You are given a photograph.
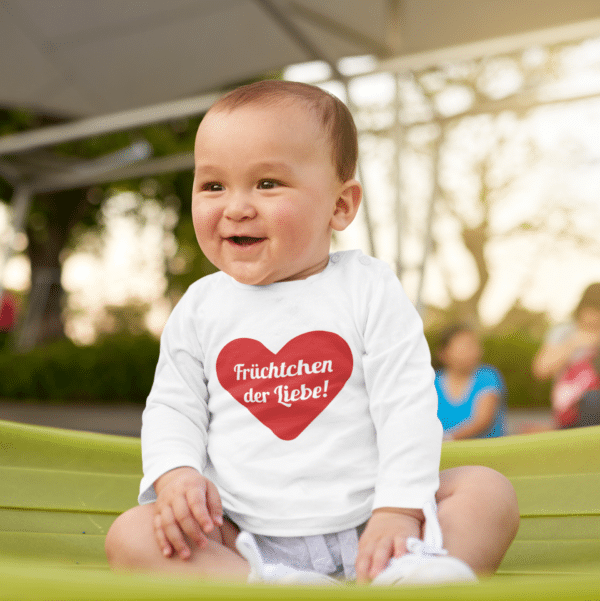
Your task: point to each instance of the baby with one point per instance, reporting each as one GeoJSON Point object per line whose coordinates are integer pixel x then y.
{"type": "Point", "coordinates": [291, 432]}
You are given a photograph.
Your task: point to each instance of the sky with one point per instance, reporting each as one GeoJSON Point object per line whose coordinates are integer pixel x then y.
{"type": "Point", "coordinates": [548, 275]}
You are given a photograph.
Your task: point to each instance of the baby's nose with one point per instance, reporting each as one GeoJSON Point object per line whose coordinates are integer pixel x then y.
{"type": "Point", "coordinates": [239, 206]}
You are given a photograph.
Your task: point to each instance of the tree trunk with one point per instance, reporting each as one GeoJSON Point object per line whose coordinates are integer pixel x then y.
{"type": "Point", "coordinates": [475, 240]}
{"type": "Point", "coordinates": [48, 231]}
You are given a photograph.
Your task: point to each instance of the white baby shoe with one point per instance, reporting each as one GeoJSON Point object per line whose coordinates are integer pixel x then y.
{"type": "Point", "coordinates": [276, 573]}
{"type": "Point", "coordinates": [426, 562]}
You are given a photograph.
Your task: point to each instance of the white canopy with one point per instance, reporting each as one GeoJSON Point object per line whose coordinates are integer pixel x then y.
{"type": "Point", "coordinates": [78, 58]}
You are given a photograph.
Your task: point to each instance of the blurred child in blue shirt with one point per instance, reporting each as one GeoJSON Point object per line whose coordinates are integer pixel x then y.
{"type": "Point", "coordinates": [471, 396]}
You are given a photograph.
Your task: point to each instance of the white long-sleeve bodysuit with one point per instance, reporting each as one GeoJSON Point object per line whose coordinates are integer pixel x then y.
{"type": "Point", "coordinates": [308, 403]}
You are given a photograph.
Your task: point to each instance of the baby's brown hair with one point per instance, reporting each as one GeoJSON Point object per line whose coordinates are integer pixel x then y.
{"type": "Point", "coordinates": [333, 115]}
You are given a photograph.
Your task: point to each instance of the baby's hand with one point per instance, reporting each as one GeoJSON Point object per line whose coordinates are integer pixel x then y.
{"type": "Point", "coordinates": [385, 537]}
{"type": "Point", "coordinates": [187, 504]}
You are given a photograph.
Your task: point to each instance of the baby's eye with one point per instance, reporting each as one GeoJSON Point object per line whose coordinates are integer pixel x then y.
{"type": "Point", "coordinates": [212, 187]}
{"type": "Point", "coordinates": [267, 184]}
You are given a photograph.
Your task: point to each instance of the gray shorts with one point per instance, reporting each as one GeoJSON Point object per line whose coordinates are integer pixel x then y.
{"type": "Point", "coordinates": [332, 554]}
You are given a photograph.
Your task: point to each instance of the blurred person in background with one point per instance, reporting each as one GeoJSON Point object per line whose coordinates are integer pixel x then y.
{"type": "Point", "coordinates": [8, 317]}
{"type": "Point", "coordinates": [471, 396]}
{"type": "Point", "coordinates": [570, 356]}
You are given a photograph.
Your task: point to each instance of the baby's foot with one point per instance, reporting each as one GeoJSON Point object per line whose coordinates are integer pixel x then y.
{"type": "Point", "coordinates": [422, 565]}
{"type": "Point", "coordinates": [427, 562]}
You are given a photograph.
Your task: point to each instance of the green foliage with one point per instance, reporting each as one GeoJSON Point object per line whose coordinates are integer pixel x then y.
{"type": "Point", "coordinates": [121, 367]}
{"type": "Point", "coordinates": [118, 367]}
{"type": "Point", "coordinates": [512, 356]}
{"type": "Point", "coordinates": [189, 263]}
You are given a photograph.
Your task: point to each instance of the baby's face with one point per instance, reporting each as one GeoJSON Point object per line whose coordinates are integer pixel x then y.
{"type": "Point", "coordinates": [265, 192]}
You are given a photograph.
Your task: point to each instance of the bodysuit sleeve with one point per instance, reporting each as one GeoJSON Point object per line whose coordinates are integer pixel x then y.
{"type": "Point", "coordinates": [175, 420]}
{"type": "Point", "coordinates": [402, 397]}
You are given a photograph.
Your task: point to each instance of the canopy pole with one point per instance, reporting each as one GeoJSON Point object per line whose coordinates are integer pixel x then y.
{"type": "Point", "coordinates": [366, 211]}
{"type": "Point", "coordinates": [397, 174]}
{"type": "Point", "coordinates": [313, 52]}
{"type": "Point", "coordinates": [96, 126]}
{"type": "Point", "coordinates": [360, 176]}
{"type": "Point", "coordinates": [435, 190]}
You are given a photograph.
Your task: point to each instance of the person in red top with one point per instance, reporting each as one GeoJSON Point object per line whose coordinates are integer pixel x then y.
{"type": "Point", "coordinates": [8, 316]}
{"type": "Point", "coordinates": [569, 355]}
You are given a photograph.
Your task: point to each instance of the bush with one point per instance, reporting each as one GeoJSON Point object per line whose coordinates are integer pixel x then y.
{"type": "Point", "coordinates": [118, 368]}
{"type": "Point", "coordinates": [121, 368]}
{"type": "Point", "coordinates": [512, 357]}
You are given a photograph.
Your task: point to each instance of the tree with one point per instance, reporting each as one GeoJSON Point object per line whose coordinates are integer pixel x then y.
{"type": "Point", "coordinates": [57, 221]}
{"type": "Point", "coordinates": [473, 124]}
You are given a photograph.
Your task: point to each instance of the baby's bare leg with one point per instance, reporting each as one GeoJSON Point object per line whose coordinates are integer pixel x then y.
{"type": "Point", "coordinates": [479, 515]}
{"type": "Point", "coordinates": [131, 545]}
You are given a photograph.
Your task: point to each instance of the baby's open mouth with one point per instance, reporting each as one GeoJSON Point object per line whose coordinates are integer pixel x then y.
{"type": "Point", "coordinates": [244, 240]}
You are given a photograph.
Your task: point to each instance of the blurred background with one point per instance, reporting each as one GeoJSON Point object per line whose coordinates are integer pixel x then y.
{"type": "Point", "coordinates": [478, 124]}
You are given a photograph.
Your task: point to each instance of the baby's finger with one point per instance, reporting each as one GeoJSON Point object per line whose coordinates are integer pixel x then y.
{"type": "Point", "coordinates": [363, 564]}
{"type": "Point", "coordinates": [213, 502]}
{"type": "Point", "coordinates": [400, 546]}
{"type": "Point", "coordinates": [188, 523]}
{"type": "Point", "coordinates": [381, 556]}
{"type": "Point", "coordinates": [173, 533]}
{"type": "Point", "coordinates": [161, 539]}
{"type": "Point", "coordinates": [197, 503]}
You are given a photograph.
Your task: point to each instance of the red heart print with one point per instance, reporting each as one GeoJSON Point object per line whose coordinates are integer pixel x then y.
{"type": "Point", "coordinates": [287, 390]}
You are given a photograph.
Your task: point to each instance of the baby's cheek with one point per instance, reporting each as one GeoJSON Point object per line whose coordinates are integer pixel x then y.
{"type": "Point", "coordinates": [291, 224]}
{"type": "Point", "coordinates": [280, 218]}
{"type": "Point", "coordinates": [205, 219]}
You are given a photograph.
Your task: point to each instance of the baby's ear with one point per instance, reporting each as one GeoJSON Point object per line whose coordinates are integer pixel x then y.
{"type": "Point", "coordinates": [346, 206]}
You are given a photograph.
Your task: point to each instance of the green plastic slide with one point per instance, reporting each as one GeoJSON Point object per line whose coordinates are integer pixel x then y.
{"type": "Point", "coordinates": [60, 490]}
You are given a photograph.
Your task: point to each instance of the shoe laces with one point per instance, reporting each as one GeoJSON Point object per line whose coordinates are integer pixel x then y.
{"type": "Point", "coordinates": [419, 547]}
{"type": "Point", "coordinates": [432, 543]}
